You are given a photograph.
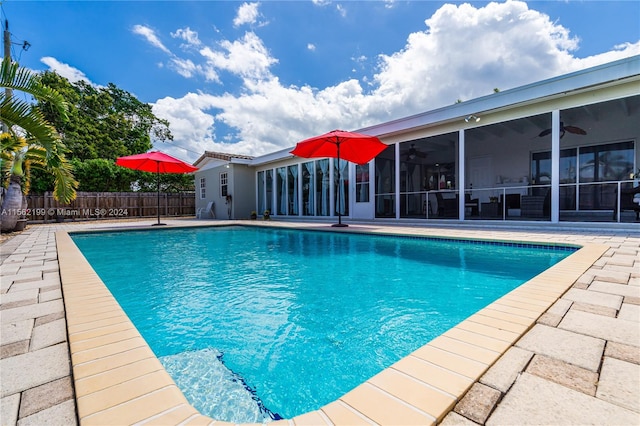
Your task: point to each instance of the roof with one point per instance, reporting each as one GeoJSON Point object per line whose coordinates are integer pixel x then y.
{"type": "Point", "coordinates": [586, 79]}
{"type": "Point", "coordinates": [221, 156]}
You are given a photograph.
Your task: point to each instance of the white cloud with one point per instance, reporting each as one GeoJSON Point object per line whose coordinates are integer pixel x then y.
{"type": "Point", "coordinates": [618, 52]}
{"type": "Point", "coordinates": [187, 68]}
{"type": "Point", "coordinates": [189, 36]}
{"type": "Point", "coordinates": [341, 10]}
{"type": "Point", "coordinates": [184, 67]}
{"type": "Point", "coordinates": [311, 47]}
{"type": "Point", "coordinates": [246, 57]}
{"type": "Point", "coordinates": [189, 122]}
{"type": "Point", "coordinates": [64, 70]}
{"type": "Point", "coordinates": [463, 52]}
{"type": "Point", "coordinates": [150, 35]}
{"type": "Point", "coordinates": [247, 14]}
{"type": "Point", "coordinates": [321, 2]}
{"type": "Point", "coordinates": [466, 52]}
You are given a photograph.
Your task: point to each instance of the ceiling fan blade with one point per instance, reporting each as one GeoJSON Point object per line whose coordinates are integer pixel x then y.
{"type": "Point", "coordinates": [563, 129]}
{"type": "Point", "coordinates": [574, 129]}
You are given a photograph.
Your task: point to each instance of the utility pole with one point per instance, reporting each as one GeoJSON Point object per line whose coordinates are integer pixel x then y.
{"type": "Point", "coordinates": [7, 50]}
{"type": "Point", "coordinates": [7, 40]}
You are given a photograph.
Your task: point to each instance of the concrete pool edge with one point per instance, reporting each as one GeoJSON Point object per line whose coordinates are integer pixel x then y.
{"type": "Point", "coordinates": [118, 379]}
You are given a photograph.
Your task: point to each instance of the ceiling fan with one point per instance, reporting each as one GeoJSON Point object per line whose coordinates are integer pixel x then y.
{"type": "Point", "coordinates": [563, 129]}
{"type": "Point", "coordinates": [413, 153]}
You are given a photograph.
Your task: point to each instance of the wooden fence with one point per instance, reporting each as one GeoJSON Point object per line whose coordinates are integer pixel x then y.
{"type": "Point", "coordinates": [110, 205]}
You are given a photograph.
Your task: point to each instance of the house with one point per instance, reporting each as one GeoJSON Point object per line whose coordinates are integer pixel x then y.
{"type": "Point", "coordinates": [562, 149]}
{"type": "Point", "coordinates": [224, 185]}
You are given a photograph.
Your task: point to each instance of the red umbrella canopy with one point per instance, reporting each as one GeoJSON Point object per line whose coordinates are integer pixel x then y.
{"type": "Point", "coordinates": [350, 146]}
{"type": "Point", "coordinates": [155, 161]}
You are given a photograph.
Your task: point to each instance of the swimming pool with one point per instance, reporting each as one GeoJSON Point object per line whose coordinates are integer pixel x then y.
{"type": "Point", "coordinates": [280, 307]}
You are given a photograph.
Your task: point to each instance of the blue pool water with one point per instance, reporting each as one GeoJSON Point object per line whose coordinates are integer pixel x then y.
{"type": "Point", "coordinates": [256, 324]}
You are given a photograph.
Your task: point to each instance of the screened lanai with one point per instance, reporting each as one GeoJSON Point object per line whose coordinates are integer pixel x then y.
{"type": "Point", "coordinates": [507, 165]}
{"type": "Point", "coordinates": [560, 150]}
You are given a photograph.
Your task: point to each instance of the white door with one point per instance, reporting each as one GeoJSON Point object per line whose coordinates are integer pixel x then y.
{"type": "Point", "coordinates": [481, 176]}
{"type": "Point", "coordinates": [362, 194]}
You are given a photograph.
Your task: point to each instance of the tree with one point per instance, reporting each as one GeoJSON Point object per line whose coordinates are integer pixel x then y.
{"type": "Point", "coordinates": [29, 141]}
{"type": "Point", "coordinates": [102, 175]}
{"type": "Point", "coordinates": [103, 122]}
{"type": "Point", "coordinates": [169, 182]}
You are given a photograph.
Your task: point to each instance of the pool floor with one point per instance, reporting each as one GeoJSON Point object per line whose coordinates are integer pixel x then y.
{"type": "Point", "coordinates": [118, 379]}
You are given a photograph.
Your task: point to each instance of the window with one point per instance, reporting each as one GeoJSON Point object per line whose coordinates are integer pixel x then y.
{"type": "Point", "coordinates": [598, 163]}
{"type": "Point", "coordinates": [203, 187]}
{"type": "Point", "coordinates": [269, 190]}
{"type": "Point", "coordinates": [292, 189]}
{"type": "Point", "coordinates": [261, 204]}
{"type": "Point", "coordinates": [603, 163]}
{"type": "Point", "coordinates": [224, 187]}
{"type": "Point", "coordinates": [322, 187]}
{"type": "Point", "coordinates": [541, 167]}
{"type": "Point", "coordinates": [308, 188]}
{"type": "Point", "coordinates": [341, 186]}
{"type": "Point", "coordinates": [581, 171]}
{"type": "Point", "coordinates": [281, 190]}
{"type": "Point", "coordinates": [362, 183]}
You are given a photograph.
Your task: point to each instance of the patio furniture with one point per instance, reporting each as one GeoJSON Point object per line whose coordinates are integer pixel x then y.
{"type": "Point", "coordinates": [536, 206]}
{"type": "Point", "coordinates": [447, 207]}
{"type": "Point", "coordinates": [489, 210]}
{"type": "Point", "coordinates": [426, 205]}
{"type": "Point", "coordinates": [626, 202]}
{"type": "Point", "coordinates": [471, 204]}
{"type": "Point", "coordinates": [532, 206]}
{"type": "Point", "coordinates": [208, 212]}
{"type": "Point", "coordinates": [512, 204]}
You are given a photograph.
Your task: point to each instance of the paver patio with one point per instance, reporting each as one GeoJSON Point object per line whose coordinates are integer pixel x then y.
{"type": "Point", "coordinates": [580, 364]}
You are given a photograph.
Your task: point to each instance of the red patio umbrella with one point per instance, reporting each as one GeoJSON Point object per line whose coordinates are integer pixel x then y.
{"type": "Point", "coordinates": [354, 147]}
{"type": "Point", "coordinates": [158, 162]}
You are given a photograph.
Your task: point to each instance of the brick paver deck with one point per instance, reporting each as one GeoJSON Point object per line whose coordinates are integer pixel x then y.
{"type": "Point", "coordinates": [577, 362]}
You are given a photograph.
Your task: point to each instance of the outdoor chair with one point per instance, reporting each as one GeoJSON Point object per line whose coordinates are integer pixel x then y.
{"type": "Point", "coordinates": [472, 204]}
{"type": "Point", "coordinates": [627, 202]}
{"type": "Point", "coordinates": [447, 207]}
{"type": "Point", "coordinates": [536, 206]}
{"type": "Point", "coordinates": [208, 212]}
{"type": "Point", "coordinates": [512, 203]}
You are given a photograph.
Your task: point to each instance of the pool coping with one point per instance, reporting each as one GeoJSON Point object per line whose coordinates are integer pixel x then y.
{"type": "Point", "coordinates": [118, 379]}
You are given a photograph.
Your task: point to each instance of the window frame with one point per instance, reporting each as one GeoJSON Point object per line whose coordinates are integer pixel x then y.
{"type": "Point", "coordinates": [224, 184]}
{"type": "Point", "coordinates": [203, 188]}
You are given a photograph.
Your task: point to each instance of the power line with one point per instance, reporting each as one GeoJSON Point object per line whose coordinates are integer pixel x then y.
{"type": "Point", "coordinates": [24, 44]}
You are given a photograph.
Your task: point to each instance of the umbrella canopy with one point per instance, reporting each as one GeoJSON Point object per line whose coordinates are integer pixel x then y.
{"type": "Point", "coordinates": [158, 162]}
{"type": "Point", "coordinates": [354, 147]}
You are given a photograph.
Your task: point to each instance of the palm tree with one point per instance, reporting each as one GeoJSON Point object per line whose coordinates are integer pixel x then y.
{"type": "Point", "coordinates": [29, 140]}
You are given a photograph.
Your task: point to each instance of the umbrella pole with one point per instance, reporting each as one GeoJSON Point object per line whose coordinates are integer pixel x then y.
{"type": "Point", "coordinates": [340, 188]}
{"type": "Point", "coordinates": [158, 192]}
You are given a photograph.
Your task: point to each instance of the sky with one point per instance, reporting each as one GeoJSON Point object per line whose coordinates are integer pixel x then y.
{"type": "Point", "coordinates": [253, 78]}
